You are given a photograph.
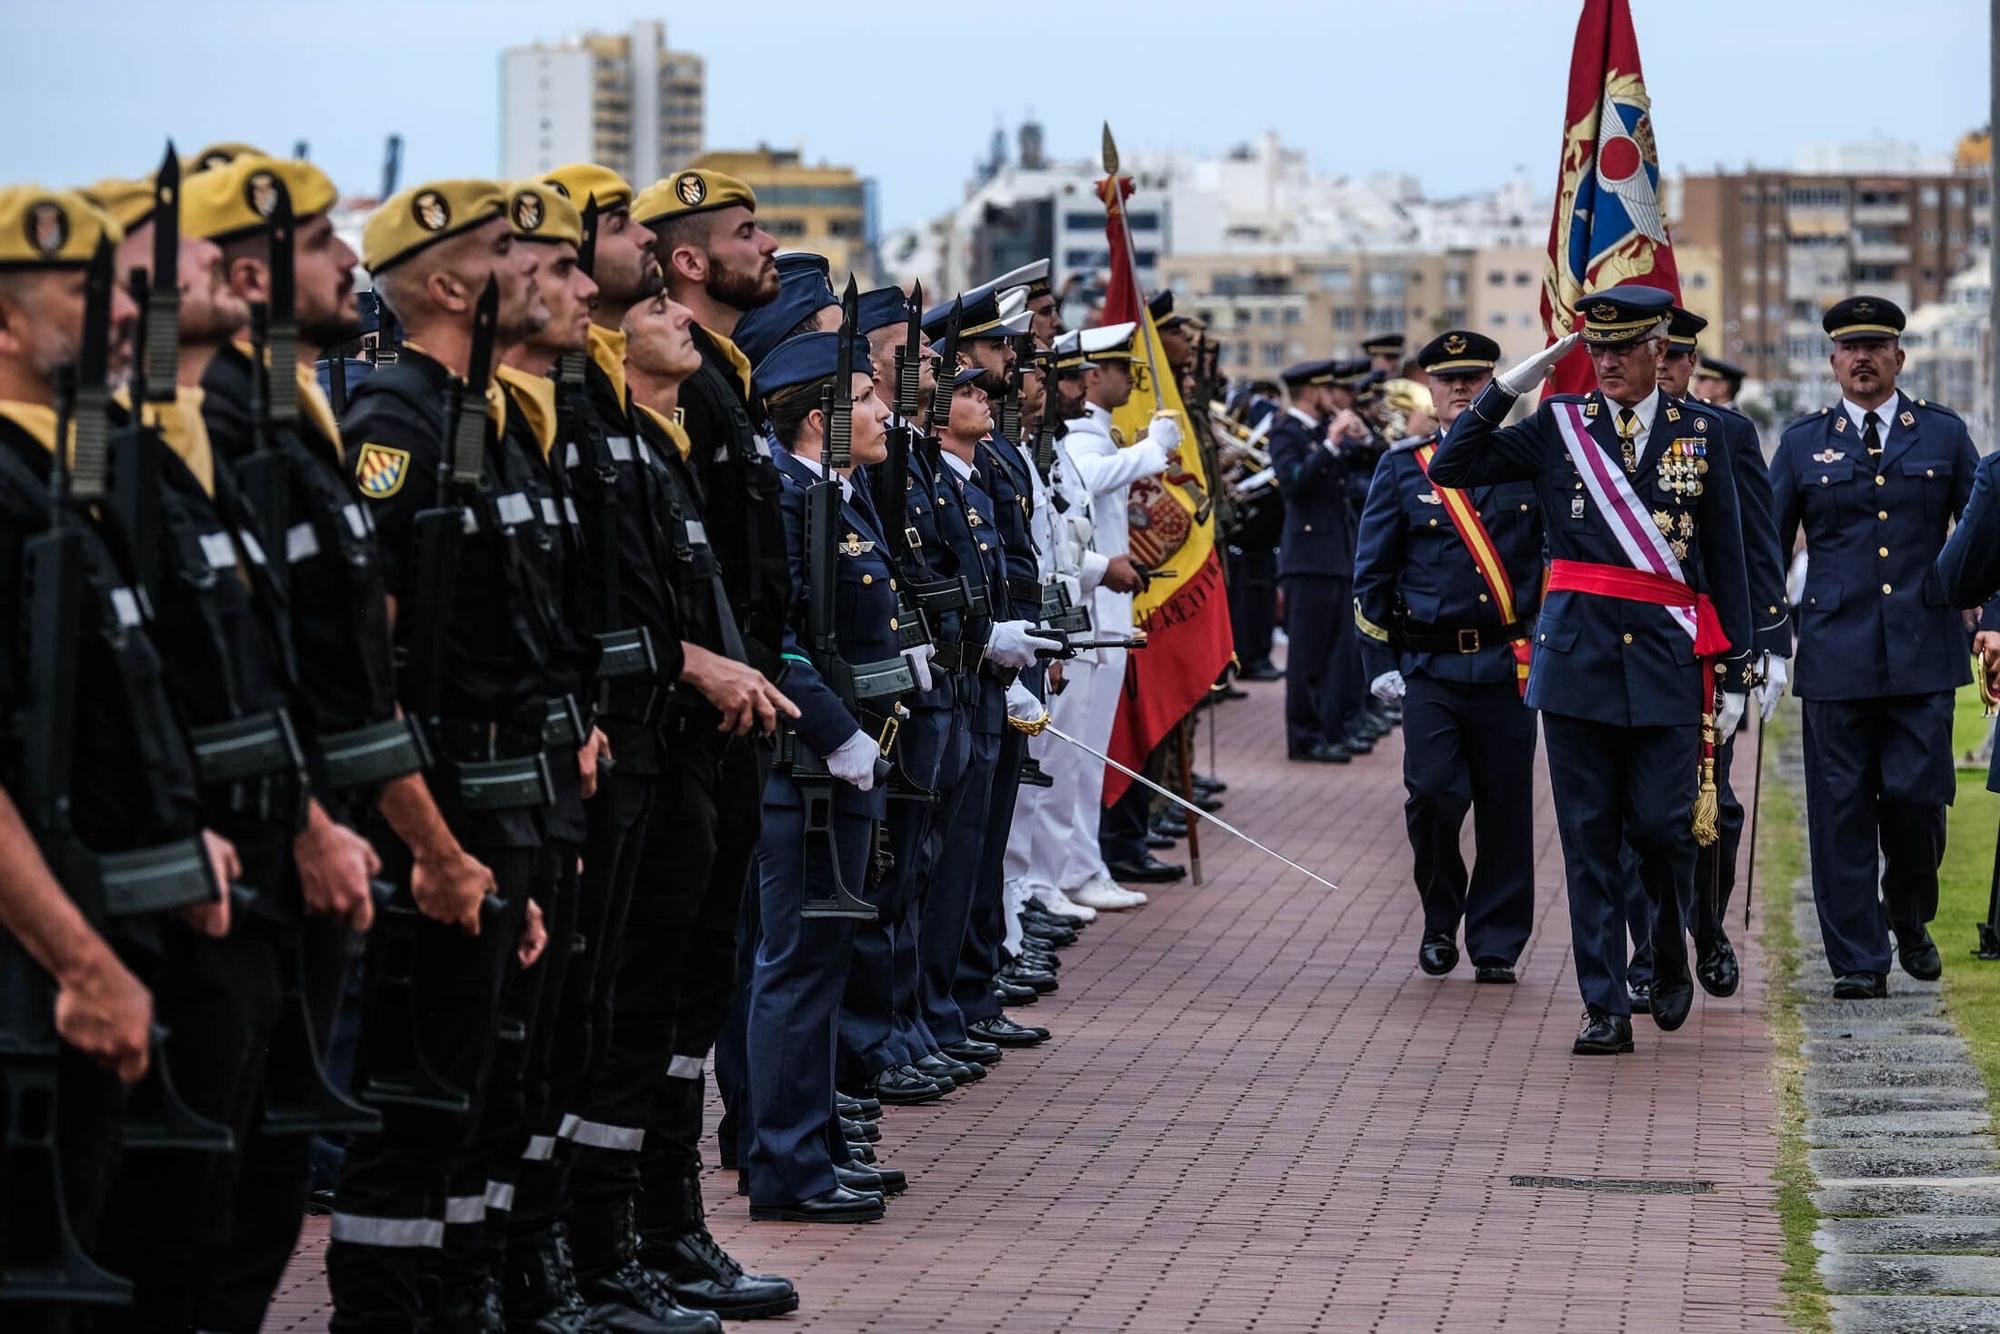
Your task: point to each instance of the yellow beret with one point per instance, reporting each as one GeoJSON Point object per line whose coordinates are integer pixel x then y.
{"type": "Point", "coordinates": [44, 229]}
{"type": "Point", "coordinates": [128, 203]}
{"type": "Point", "coordinates": [418, 218]}
{"type": "Point", "coordinates": [240, 197]}
{"type": "Point", "coordinates": [537, 212]}
{"type": "Point", "coordinates": [580, 182]}
{"type": "Point", "coordinates": [219, 155]}
{"type": "Point", "coordinates": [691, 191]}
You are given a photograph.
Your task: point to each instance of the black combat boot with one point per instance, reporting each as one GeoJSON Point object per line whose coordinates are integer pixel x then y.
{"type": "Point", "coordinates": [625, 1296]}
{"type": "Point", "coordinates": [540, 1292]}
{"type": "Point", "coordinates": [702, 1274]}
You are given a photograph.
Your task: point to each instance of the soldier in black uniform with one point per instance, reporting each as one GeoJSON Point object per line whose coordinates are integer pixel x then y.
{"type": "Point", "coordinates": [480, 660]}
{"type": "Point", "coordinates": [130, 789]}
{"type": "Point", "coordinates": [318, 535]}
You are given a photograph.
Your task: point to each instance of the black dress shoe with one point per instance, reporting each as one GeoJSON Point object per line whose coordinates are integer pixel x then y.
{"type": "Point", "coordinates": [1716, 967]}
{"type": "Point", "coordinates": [1437, 956]}
{"type": "Point", "coordinates": [1039, 954]}
{"type": "Point", "coordinates": [838, 1205]}
{"type": "Point", "coordinates": [1358, 743]}
{"type": "Point", "coordinates": [1159, 842]}
{"type": "Point", "coordinates": [860, 1153]}
{"type": "Point", "coordinates": [1918, 954]}
{"type": "Point", "coordinates": [1149, 870]}
{"type": "Point", "coordinates": [1495, 974]}
{"type": "Point", "coordinates": [904, 1086]}
{"type": "Point", "coordinates": [1033, 978]}
{"type": "Point", "coordinates": [1602, 1034]}
{"type": "Point", "coordinates": [944, 1070]}
{"type": "Point", "coordinates": [969, 1049]}
{"type": "Point", "coordinates": [1212, 784]}
{"type": "Point", "coordinates": [865, 1131]}
{"type": "Point", "coordinates": [854, 1111]}
{"type": "Point", "coordinates": [1004, 1032]}
{"type": "Point", "coordinates": [1009, 994]}
{"type": "Point", "coordinates": [1228, 692]}
{"type": "Point", "coordinates": [1171, 823]}
{"type": "Point", "coordinates": [1261, 670]}
{"type": "Point", "coordinates": [860, 1180]}
{"type": "Point", "coordinates": [1860, 986]}
{"type": "Point", "coordinates": [870, 1108]}
{"type": "Point", "coordinates": [1672, 999]}
{"type": "Point", "coordinates": [1053, 935]}
{"type": "Point", "coordinates": [1641, 996]}
{"type": "Point", "coordinates": [631, 1299]}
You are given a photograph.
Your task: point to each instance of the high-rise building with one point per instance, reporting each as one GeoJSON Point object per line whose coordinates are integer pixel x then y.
{"type": "Point", "coordinates": [825, 209]}
{"type": "Point", "coordinates": [622, 99]}
{"type": "Point", "coordinates": [1783, 246]}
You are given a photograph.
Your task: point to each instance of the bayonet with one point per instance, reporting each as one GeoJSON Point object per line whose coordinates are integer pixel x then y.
{"type": "Point", "coordinates": [947, 374]}
{"type": "Point", "coordinates": [159, 352]}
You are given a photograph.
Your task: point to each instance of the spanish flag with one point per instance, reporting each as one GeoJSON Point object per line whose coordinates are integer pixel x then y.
{"type": "Point", "coordinates": [1171, 523]}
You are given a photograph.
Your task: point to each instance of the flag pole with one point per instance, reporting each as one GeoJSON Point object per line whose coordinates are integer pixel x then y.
{"type": "Point", "coordinates": [1116, 203]}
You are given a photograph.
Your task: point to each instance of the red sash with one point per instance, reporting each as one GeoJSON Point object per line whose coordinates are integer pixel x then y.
{"type": "Point", "coordinates": [1485, 558]}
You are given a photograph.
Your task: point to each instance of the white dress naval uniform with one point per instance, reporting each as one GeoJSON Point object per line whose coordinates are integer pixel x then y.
{"type": "Point", "coordinates": [1106, 470]}
{"type": "Point", "coordinates": [1044, 817]}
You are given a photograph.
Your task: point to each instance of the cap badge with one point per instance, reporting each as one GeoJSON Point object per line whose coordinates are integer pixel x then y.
{"type": "Point", "coordinates": [1603, 312]}
{"type": "Point", "coordinates": [260, 192]}
{"type": "Point", "coordinates": [48, 228]}
{"type": "Point", "coordinates": [432, 213]}
{"type": "Point", "coordinates": [1454, 344]}
{"type": "Point", "coordinates": [1864, 308]}
{"type": "Point", "coordinates": [528, 211]}
{"type": "Point", "coordinates": [690, 189]}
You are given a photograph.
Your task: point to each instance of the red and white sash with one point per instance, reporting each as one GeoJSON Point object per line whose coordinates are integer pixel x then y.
{"type": "Point", "coordinates": [1643, 543]}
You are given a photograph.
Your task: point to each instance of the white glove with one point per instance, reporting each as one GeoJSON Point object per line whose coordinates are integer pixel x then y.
{"type": "Point", "coordinates": [1022, 704]}
{"type": "Point", "coordinates": [1165, 431]}
{"type": "Point", "coordinates": [1388, 687]}
{"type": "Point", "coordinates": [1518, 380]}
{"type": "Point", "coordinates": [1777, 674]}
{"type": "Point", "coordinates": [854, 762]}
{"type": "Point", "coordinates": [1733, 704]}
{"type": "Point", "coordinates": [919, 659]}
{"type": "Point", "coordinates": [1013, 644]}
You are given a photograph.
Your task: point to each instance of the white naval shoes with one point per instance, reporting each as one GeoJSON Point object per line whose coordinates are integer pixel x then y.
{"type": "Point", "coordinates": [1060, 904]}
{"type": "Point", "coordinates": [1106, 895]}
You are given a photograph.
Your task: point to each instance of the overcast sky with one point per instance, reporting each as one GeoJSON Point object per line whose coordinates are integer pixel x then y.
{"type": "Point", "coordinates": [1457, 92]}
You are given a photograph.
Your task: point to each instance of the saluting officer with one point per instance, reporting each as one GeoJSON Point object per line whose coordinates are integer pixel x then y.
{"type": "Point", "coordinates": [1645, 592]}
{"type": "Point", "coordinates": [1875, 482]}
{"type": "Point", "coordinates": [476, 676]}
{"type": "Point", "coordinates": [1446, 584]}
{"type": "Point", "coordinates": [795, 1158]}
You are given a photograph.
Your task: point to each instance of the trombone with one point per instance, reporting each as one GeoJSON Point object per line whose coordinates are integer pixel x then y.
{"type": "Point", "coordinates": [1238, 440]}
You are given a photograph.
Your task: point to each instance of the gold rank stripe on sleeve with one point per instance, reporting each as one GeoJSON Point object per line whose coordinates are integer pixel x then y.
{"type": "Point", "coordinates": [1485, 557]}
{"type": "Point", "coordinates": [380, 470]}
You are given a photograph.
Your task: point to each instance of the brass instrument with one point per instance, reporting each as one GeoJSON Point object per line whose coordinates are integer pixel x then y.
{"type": "Point", "coordinates": [1980, 675]}
{"type": "Point", "coordinates": [1238, 441]}
{"type": "Point", "coordinates": [1401, 400]}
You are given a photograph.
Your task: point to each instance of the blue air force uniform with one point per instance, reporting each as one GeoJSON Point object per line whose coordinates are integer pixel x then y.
{"type": "Point", "coordinates": [1969, 566]}
{"type": "Point", "coordinates": [1316, 571]}
{"type": "Point", "coordinates": [1881, 648]}
{"type": "Point", "coordinates": [1423, 609]}
{"type": "Point", "coordinates": [792, 1128]}
{"type": "Point", "coordinates": [1616, 680]}
{"type": "Point", "coordinates": [1771, 626]}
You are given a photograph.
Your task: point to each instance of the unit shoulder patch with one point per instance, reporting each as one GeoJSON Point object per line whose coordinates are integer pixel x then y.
{"type": "Point", "coordinates": [381, 470]}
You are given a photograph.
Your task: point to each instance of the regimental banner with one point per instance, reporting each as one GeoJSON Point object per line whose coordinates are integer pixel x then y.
{"type": "Point", "coordinates": [1171, 523]}
{"type": "Point", "coordinates": [1607, 227]}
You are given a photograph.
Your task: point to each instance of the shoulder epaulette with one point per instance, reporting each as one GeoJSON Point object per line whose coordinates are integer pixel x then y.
{"type": "Point", "coordinates": [1938, 408]}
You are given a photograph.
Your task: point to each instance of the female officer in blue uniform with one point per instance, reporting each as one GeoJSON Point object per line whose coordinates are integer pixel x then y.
{"type": "Point", "coordinates": [792, 1141]}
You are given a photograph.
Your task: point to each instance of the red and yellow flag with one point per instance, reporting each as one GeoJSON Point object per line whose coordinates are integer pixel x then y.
{"type": "Point", "coordinates": [1171, 521]}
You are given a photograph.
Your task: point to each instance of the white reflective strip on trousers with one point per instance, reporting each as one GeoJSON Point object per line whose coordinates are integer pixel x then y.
{"type": "Point", "coordinates": [500, 1196]}
{"type": "Point", "coordinates": [597, 1135]}
{"type": "Point", "coordinates": [464, 1208]}
{"type": "Point", "coordinates": [685, 1067]}
{"type": "Point", "coordinates": [398, 1233]}
{"type": "Point", "coordinates": [540, 1148]}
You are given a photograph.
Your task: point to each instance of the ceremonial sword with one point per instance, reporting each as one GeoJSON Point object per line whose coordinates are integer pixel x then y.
{"type": "Point", "coordinates": [1195, 812]}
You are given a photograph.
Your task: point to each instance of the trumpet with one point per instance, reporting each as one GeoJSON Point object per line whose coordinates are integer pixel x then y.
{"type": "Point", "coordinates": [1237, 440]}
{"type": "Point", "coordinates": [1980, 674]}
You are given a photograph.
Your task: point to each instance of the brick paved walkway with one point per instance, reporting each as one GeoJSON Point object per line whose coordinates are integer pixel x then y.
{"type": "Point", "coordinates": [1258, 1115]}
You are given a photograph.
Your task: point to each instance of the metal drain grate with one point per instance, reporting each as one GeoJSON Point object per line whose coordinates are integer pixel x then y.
{"type": "Point", "coordinates": [1615, 1185]}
